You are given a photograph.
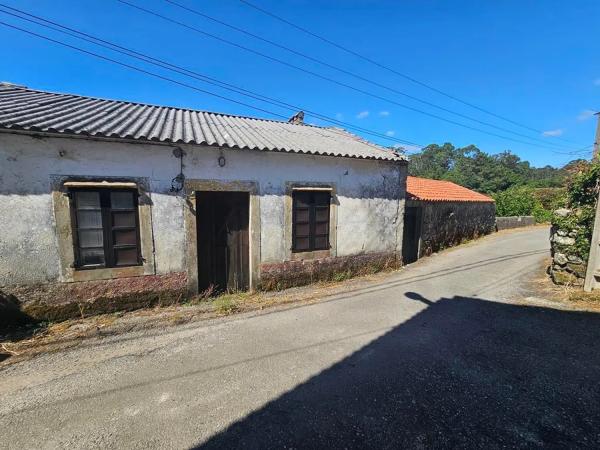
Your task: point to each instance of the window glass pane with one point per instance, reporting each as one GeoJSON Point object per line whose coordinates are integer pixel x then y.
{"type": "Point", "coordinates": [301, 198]}
{"type": "Point", "coordinates": [125, 237]}
{"type": "Point", "coordinates": [321, 228]}
{"type": "Point", "coordinates": [321, 243]}
{"type": "Point", "coordinates": [302, 230]}
{"type": "Point", "coordinates": [126, 256]}
{"type": "Point", "coordinates": [91, 256]}
{"type": "Point", "coordinates": [121, 200]}
{"type": "Point", "coordinates": [123, 219]}
{"type": "Point", "coordinates": [301, 215]}
{"type": "Point", "coordinates": [321, 214]}
{"type": "Point", "coordinates": [89, 219]}
{"type": "Point", "coordinates": [301, 244]}
{"type": "Point", "coordinates": [87, 199]}
{"type": "Point", "coordinates": [322, 198]}
{"type": "Point", "coordinates": [90, 238]}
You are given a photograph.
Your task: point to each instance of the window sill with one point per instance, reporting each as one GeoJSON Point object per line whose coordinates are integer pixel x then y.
{"type": "Point", "coordinates": [106, 273]}
{"type": "Point", "coordinates": [316, 254]}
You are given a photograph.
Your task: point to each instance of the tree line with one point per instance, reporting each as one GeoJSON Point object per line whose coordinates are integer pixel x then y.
{"type": "Point", "coordinates": [517, 187]}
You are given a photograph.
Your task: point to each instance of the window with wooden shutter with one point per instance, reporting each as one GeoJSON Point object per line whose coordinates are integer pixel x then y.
{"type": "Point", "coordinates": [310, 221]}
{"type": "Point", "coordinates": [106, 228]}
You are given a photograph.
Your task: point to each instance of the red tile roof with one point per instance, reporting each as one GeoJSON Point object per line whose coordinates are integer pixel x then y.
{"type": "Point", "coordinates": [441, 191]}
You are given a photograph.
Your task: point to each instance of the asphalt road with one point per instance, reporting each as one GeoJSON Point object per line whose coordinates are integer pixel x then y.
{"type": "Point", "coordinates": [439, 355]}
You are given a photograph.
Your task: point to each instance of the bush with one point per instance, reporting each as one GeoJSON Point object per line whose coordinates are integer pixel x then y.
{"type": "Point", "coordinates": [515, 201]}
{"type": "Point", "coordinates": [527, 201]}
{"type": "Point", "coordinates": [582, 187]}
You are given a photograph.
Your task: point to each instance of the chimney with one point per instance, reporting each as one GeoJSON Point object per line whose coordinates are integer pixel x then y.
{"type": "Point", "coordinates": [298, 118]}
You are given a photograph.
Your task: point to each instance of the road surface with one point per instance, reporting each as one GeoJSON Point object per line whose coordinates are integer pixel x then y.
{"type": "Point", "coordinates": [438, 355]}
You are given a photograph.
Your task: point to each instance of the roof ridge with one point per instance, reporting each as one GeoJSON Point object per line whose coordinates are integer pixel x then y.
{"type": "Point", "coordinates": [428, 189]}
{"type": "Point", "coordinates": [364, 141]}
{"type": "Point", "coordinates": [8, 86]}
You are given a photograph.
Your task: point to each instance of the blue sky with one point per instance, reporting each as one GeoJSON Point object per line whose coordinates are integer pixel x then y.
{"type": "Point", "coordinates": [535, 62]}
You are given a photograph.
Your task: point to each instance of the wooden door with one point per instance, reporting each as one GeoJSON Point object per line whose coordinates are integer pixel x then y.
{"type": "Point", "coordinates": [411, 235]}
{"type": "Point", "coordinates": [223, 250]}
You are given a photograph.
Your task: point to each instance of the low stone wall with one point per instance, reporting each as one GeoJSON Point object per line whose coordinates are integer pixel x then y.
{"type": "Point", "coordinates": [60, 301]}
{"type": "Point", "coordinates": [297, 273]}
{"type": "Point", "coordinates": [446, 224]}
{"type": "Point", "coordinates": [505, 223]}
{"type": "Point", "coordinates": [567, 267]}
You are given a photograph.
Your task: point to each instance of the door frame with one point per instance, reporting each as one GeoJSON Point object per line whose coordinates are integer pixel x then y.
{"type": "Point", "coordinates": [191, 238]}
{"type": "Point", "coordinates": [418, 224]}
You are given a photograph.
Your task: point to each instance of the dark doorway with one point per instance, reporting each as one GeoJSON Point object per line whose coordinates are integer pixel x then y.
{"type": "Point", "coordinates": [223, 252]}
{"type": "Point", "coordinates": [412, 234]}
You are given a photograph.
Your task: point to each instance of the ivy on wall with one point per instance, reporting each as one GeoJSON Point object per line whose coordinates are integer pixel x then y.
{"type": "Point", "coordinates": [578, 219]}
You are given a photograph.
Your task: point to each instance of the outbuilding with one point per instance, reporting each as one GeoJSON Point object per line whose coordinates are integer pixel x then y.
{"type": "Point", "coordinates": [104, 200]}
{"type": "Point", "coordinates": [441, 214]}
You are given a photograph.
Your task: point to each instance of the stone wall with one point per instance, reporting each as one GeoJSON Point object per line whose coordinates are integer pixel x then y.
{"type": "Point", "coordinates": [567, 267]}
{"type": "Point", "coordinates": [505, 223]}
{"type": "Point", "coordinates": [297, 273]}
{"type": "Point", "coordinates": [445, 224]}
{"type": "Point", "coordinates": [60, 301]}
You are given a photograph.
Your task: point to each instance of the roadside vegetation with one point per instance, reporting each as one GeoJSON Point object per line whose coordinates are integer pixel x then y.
{"type": "Point", "coordinates": [577, 219]}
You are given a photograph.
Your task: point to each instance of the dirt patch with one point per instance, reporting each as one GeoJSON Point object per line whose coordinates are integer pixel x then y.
{"type": "Point", "coordinates": [569, 296]}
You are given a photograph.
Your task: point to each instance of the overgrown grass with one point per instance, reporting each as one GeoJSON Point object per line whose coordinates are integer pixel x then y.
{"type": "Point", "coordinates": [578, 295]}
{"type": "Point", "coordinates": [231, 302]}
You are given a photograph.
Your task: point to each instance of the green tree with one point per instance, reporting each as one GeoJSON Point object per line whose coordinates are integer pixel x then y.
{"type": "Point", "coordinates": [471, 167]}
{"type": "Point", "coordinates": [433, 162]}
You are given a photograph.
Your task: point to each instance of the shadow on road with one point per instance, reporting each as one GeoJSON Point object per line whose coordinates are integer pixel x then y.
{"type": "Point", "coordinates": [464, 372]}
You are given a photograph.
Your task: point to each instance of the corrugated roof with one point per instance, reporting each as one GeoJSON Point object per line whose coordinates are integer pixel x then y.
{"type": "Point", "coordinates": [41, 111]}
{"type": "Point", "coordinates": [441, 191]}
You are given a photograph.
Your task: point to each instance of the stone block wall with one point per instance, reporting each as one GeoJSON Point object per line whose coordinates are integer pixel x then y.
{"type": "Point", "coordinates": [506, 223]}
{"type": "Point", "coordinates": [445, 224]}
{"type": "Point", "coordinates": [567, 267]}
{"type": "Point", "coordinates": [297, 273]}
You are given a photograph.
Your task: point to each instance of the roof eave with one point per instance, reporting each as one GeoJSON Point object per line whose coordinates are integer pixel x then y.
{"type": "Point", "coordinates": [169, 143]}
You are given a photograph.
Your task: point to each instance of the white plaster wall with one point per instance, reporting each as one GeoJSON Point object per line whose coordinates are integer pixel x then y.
{"type": "Point", "coordinates": [370, 195]}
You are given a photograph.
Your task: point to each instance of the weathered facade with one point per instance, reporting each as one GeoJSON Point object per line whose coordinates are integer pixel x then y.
{"type": "Point", "coordinates": [64, 168]}
{"type": "Point", "coordinates": [441, 214]}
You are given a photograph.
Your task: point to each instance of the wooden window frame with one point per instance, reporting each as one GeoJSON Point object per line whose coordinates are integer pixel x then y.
{"type": "Point", "coordinates": [108, 228]}
{"type": "Point", "coordinates": [312, 221]}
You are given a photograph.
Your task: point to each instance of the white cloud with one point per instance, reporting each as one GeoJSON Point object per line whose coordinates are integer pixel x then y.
{"type": "Point", "coordinates": [597, 81]}
{"type": "Point", "coordinates": [362, 114]}
{"type": "Point", "coordinates": [339, 116]}
{"type": "Point", "coordinates": [384, 113]}
{"type": "Point", "coordinates": [390, 133]}
{"type": "Point", "coordinates": [585, 115]}
{"type": "Point", "coordinates": [556, 132]}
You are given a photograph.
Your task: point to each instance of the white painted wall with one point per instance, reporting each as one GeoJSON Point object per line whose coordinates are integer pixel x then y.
{"type": "Point", "coordinates": [370, 193]}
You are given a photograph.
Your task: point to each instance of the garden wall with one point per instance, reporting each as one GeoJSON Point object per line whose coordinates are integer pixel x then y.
{"type": "Point", "coordinates": [505, 223]}
{"type": "Point", "coordinates": [445, 223]}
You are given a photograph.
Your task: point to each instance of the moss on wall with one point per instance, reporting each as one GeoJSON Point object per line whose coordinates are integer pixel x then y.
{"type": "Point", "coordinates": [445, 224]}
{"type": "Point", "coordinates": [297, 273]}
{"type": "Point", "coordinates": [60, 301]}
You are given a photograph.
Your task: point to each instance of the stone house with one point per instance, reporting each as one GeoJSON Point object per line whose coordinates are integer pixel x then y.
{"type": "Point", "coordinates": [441, 214]}
{"type": "Point", "coordinates": [105, 200]}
